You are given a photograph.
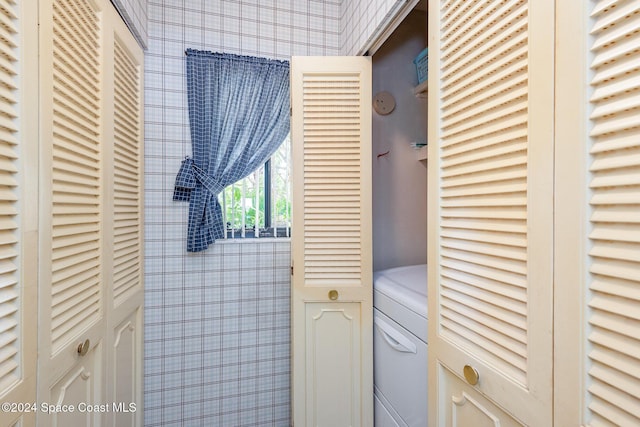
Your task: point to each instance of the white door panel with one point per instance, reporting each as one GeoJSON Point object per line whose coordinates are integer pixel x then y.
{"type": "Point", "coordinates": [90, 238]}
{"type": "Point", "coordinates": [18, 210]}
{"type": "Point", "coordinates": [125, 379]}
{"type": "Point", "coordinates": [613, 314]}
{"type": "Point", "coordinates": [71, 282]}
{"type": "Point", "coordinates": [490, 189]}
{"type": "Point", "coordinates": [332, 352]}
{"type": "Point", "coordinates": [76, 398]}
{"type": "Point", "coordinates": [460, 405]}
{"type": "Point", "coordinates": [123, 241]}
{"type": "Point", "coordinates": [332, 300]}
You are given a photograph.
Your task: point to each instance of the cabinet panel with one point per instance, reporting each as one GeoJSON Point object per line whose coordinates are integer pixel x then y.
{"type": "Point", "coordinates": [79, 390]}
{"type": "Point", "coordinates": [333, 350]}
{"type": "Point", "coordinates": [125, 377]}
{"type": "Point", "coordinates": [462, 406]}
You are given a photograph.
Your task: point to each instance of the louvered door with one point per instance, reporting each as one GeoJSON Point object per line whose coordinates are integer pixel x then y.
{"type": "Point", "coordinates": [18, 139]}
{"type": "Point", "coordinates": [490, 198]}
{"type": "Point", "coordinates": [332, 382]}
{"type": "Point", "coordinates": [90, 333]}
{"type": "Point", "coordinates": [123, 246]}
{"type": "Point", "coordinates": [613, 381]}
{"type": "Point", "coordinates": [71, 292]}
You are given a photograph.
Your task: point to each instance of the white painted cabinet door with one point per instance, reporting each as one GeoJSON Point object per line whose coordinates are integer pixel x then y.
{"type": "Point", "coordinates": [18, 210]}
{"type": "Point", "coordinates": [612, 312]}
{"type": "Point", "coordinates": [490, 211]}
{"type": "Point", "coordinates": [598, 223]}
{"type": "Point", "coordinates": [71, 279]}
{"type": "Point", "coordinates": [90, 237]}
{"type": "Point", "coordinates": [123, 254]}
{"type": "Point", "coordinates": [332, 383]}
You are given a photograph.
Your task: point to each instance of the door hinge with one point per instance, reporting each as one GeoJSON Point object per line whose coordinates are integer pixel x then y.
{"type": "Point", "coordinates": [292, 270]}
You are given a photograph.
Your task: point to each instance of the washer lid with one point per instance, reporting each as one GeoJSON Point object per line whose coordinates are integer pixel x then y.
{"type": "Point", "coordinates": [405, 285]}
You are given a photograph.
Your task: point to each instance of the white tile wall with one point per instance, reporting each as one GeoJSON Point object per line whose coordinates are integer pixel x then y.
{"type": "Point", "coordinates": [216, 323]}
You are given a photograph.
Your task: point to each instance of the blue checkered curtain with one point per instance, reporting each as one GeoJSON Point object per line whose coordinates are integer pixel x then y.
{"type": "Point", "coordinates": [238, 116]}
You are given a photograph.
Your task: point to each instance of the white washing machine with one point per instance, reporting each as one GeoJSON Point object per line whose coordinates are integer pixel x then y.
{"type": "Point", "coordinates": [400, 346]}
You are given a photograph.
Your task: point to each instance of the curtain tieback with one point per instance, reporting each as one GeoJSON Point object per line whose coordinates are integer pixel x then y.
{"type": "Point", "coordinates": [188, 175]}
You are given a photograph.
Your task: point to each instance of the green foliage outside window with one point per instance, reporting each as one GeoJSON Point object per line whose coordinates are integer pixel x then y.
{"type": "Point", "coordinates": [243, 194]}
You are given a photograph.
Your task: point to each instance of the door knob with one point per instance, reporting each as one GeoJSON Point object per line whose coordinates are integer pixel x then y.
{"type": "Point", "coordinates": [471, 374]}
{"type": "Point", "coordinates": [333, 295]}
{"type": "Point", "coordinates": [83, 347]}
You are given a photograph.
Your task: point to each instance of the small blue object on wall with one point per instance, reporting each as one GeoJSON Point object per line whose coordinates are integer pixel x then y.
{"type": "Point", "coordinates": [422, 65]}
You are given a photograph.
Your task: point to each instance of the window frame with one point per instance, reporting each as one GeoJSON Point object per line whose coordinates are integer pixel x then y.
{"type": "Point", "coordinates": [264, 207]}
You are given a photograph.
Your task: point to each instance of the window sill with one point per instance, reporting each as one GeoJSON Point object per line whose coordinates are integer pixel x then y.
{"type": "Point", "coordinates": [249, 240]}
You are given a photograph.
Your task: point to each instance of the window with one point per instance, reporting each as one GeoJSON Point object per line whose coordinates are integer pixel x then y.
{"type": "Point", "coordinates": [260, 204]}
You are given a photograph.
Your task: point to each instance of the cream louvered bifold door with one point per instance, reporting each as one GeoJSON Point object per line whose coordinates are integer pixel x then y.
{"type": "Point", "coordinates": [490, 212]}
{"type": "Point", "coordinates": [90, 246]}
{"type": "Point", "coordinates": [70, 215]}
{"type": "Point", "coordinates": [123, 256]}
{"type": "Point", "coordinates": [613, 331]}
{"type": "Point", "coordinates": [332, 381]}
{"type": "Point", "coordinates": [71, 279]}
{"type": "Point", "coordinates": [18, 211]}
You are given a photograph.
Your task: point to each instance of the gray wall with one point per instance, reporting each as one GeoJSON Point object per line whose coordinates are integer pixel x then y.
{"type": "Point", "coordinates": [399, 180]}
